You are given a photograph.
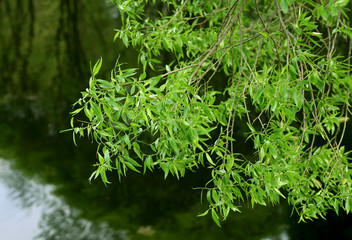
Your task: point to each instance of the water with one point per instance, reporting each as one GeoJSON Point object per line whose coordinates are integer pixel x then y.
{"type": "Point", "coordinates": [13, 213]}
{"type": "Point", "coordinates": [46, 207]}
{"type": "Point", "coordinates": [30, 210]}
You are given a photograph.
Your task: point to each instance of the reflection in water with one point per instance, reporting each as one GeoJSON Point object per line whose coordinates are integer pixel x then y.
{"type": "Point", "coordinates": [45, 217]}
{"type": "Point", "coordinates": [63, 222]}
{"type": "Point", "coordinates": [12, 216]}
{"type": "Point", "coordinates": [282, 236]}
{"type": "Point", "coordinates": [45, 50]}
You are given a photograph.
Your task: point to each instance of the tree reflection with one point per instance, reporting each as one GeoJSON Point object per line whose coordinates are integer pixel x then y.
{"type": "Point", "coordinates": [17, 25]}
{"type": "Point", "coordinates": [25, 192]}
{"type": "Point", "coordinates": [58, 220]}
{"type": "Point", "coordinates": [43, 49]}
{"type": "Point", "coordinates": [62, 222]}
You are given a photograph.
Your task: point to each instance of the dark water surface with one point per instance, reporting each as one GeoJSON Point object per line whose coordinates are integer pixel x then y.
{"type": "Point", "coordinates": [45, 193]}
{"type": "Point", "coordinates": [45, 52]}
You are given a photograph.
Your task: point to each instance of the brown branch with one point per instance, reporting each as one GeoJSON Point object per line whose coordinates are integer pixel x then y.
{"type": "Point", "coordinates": [179, 69]}
{"type": "Point", "coordinates": [221, 37]}
{"type": "Point", "coordinates": [176, 14]}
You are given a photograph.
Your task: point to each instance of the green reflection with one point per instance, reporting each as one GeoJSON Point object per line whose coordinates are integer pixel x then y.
{"type": "Point", "coordinates": [43, 54]}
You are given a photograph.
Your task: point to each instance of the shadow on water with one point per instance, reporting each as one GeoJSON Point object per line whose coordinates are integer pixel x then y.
{"type": "Point", "coordinates": [45, 48]}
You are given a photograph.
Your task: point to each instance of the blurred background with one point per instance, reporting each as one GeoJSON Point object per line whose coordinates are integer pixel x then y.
{"type": "Point", "coordinates": [46, 48]}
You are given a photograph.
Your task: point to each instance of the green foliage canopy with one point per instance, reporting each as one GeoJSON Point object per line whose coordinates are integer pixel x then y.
{"type": "Point", "coordinates": [285, 67]}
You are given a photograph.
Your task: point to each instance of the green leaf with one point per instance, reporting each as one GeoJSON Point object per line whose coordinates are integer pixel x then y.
{"type": "Point", "coordinates": [112, 102]}
{"type": "Point", "coordinates": [131, 166]}
{"type": "Point", "coordinates": [209, 159]}
{"type": "Point", "coordinates": [298, 98]}
{"type": "Point", "coordinates": [166, 168]}
{"type": "Point", "coordinates": [284, 6]}
{"type": "Point", "coordinates": [102, 173]}
{"type": "Point", "coordinates": [323, 12]}
{"type": "Point", "coordinates": [76, 111]}
{"type": "Point", "coordinates": [148, 163]}
{"type": "Point", "coordinates": [206, 110]}
{"type": "Point", "coordinates": [215, 217]}
{"type": "Point", "coordinates": [105, 84]}
{"type": "Point", "coordinates": [74, 138]}
{"type": "Point", "coordinates": [96, 111]}
{"type": "Point", "coordinates": [133, 162]}
{"type": "Point", "coordinates": [203, 214]}
{"type": "Point", "coordinates": [94, 175]}
{"type": "Point", "coordinates": [251, 127]}
{"type": "Point", "coordinates": [97, 67]}
{"type": "Point", "coordinates": [107, 156]}
{"type": "Point", "coordinates": [137, 149]}
{"type": "Point", "coordinates": [121, 126]}
{"type": "Point", "coordinates": [347, 205]}
{"type": "Point", "coordinates": [257, 96]}
{"type": "Point", "coordinates": [101, 159]}
{"type": "Point", "coordinates": [341, 3]}
{"type": "Point", "coordinates": [142, 76]}
{"type": "Point", "coordinates": [208, 196]}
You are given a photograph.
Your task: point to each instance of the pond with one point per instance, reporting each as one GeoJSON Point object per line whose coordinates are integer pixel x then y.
{"type": "Point", "coordinates": [45, 53]}
{"type": "Point", "coordinates": [45, 193]}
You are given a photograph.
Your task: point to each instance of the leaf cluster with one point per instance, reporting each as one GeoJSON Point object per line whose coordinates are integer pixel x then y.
{"type": "Point", "coordinates": [284, 77]}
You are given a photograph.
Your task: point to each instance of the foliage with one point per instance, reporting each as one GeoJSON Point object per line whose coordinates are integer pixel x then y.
{"type": "Point", "coordinates": [286, 70]}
